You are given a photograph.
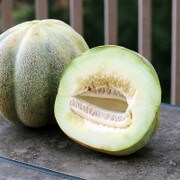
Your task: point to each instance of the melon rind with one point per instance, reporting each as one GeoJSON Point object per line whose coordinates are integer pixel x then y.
{"type": "Point", "coordinates": [33, 56]}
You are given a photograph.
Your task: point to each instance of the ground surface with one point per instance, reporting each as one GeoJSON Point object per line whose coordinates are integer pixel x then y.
{"type": "Point", "coordinates": [50, 148]}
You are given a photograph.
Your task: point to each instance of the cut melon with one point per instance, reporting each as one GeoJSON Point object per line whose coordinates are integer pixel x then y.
{"type": "Point", "coordinates": [108, 100]}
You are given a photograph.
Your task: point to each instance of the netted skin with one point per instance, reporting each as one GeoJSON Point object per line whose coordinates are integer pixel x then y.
{"type": "Point", "coordinates": [33, 56]}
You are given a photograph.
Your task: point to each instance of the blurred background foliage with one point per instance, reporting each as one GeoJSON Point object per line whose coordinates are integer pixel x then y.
{"type": "Point", "coordinates": [24, 10]}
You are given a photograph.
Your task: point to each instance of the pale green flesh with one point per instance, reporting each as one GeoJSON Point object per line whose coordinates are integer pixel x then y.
{"type": "Point", "coordinates": [143, 99]}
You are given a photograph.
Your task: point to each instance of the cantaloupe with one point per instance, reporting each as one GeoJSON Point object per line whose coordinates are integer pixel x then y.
{"type": "Point", "coordinates": [33, 56]}
{"type": "Point", "coordinates": [111, 103]}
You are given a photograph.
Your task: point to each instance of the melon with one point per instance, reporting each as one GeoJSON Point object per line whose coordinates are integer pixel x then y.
{"type": "Point", "coordinates": [108, 100]}
{"type": "Point", "coordinates": [33, 56]}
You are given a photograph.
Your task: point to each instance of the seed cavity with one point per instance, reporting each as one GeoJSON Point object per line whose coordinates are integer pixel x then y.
{"type": "Point", "coordinates": [90, 102]}
{"type": "Point", "coordinates": [100, 116]}
{"type": "Point", "coordinates": [104, 92]}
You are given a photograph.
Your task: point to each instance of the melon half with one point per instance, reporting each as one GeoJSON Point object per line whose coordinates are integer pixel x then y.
{"type": "Point", "coordinates": [108, 100]}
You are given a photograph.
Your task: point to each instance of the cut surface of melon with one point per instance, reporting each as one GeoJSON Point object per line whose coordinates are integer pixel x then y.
{"type": "Point", "coordinates": [109, 100]}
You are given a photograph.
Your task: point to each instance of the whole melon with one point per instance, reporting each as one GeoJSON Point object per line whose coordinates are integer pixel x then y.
{"type": "Point", "coordinates": [33, 56]}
